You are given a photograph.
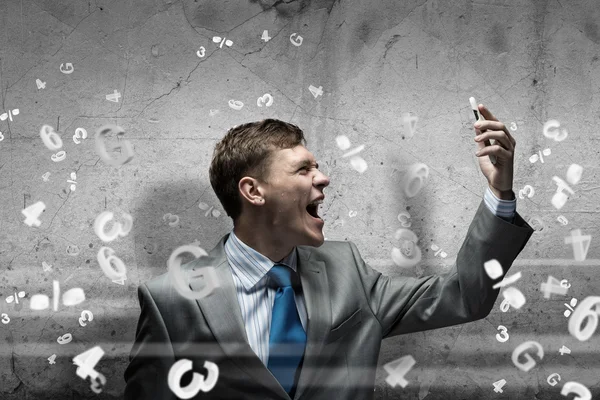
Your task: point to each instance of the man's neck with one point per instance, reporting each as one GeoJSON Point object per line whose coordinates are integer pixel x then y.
{"type": "Point", "coordinates": [264, 245]}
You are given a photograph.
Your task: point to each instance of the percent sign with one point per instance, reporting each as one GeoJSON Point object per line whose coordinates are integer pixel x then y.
{"type": "Point", "coordinates": [534, 158]}
{"type": "Point", "coordinates": [16, 297]}
{"type": "Point", "coordinates": [203, 206]}
{"type": "Point", "coordinates": [71, 297]}
{"type": "Point", "coordinates": [73, 181]}
{"type": "Point", "coordinates": [9, 114]}
{"type": "Point", "coordinates": [217, 39]}
{"type": "Point", "coordinates": [357, 162]}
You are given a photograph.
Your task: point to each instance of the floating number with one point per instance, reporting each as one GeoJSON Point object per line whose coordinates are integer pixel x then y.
{"type": "Point", "coordinates": [552, 285]}
{"type": "Point", "coordinates": [585, 313]}
{"type": "Point", "coordinates": [235, 104]}
{"type": "Point", "coordinates": [80, 133]}
{"type": "Point", "coordinates": [86, 362]}
{"type": "Point", "coordinates": [102, 150]}
{"type": "Point", "coordinates": [551, 131]}
{"type": "Point", "coordinates": [208, 274]}
{"type": "Point", "coordinates": [117, 229]}
{"type": "Point", "coordinates": [503, 337]}
{"type": "Point", "coordinates": [64, 339]}
{"type": "Point", "coordinates": [551, 379]}
{"type": "Point", "coordinates": [505, 305]}
{"type": "Point", "coordinates": [298, 41]}
{"type": "Point", "coordinates": [582, 392]}
{"type": "Point", "coordinates": [5, 318]}
{"type": "Point", "coordinates": [415, 179]}
{"type": "Point", "coordinates": [528, 191]}
{"type": "Point", "coordinates": [498, 385]}
{"type": "Point", "coordinates": [58, 157]}
{"type": "Point", "coordinates": [522, 348]}
{"type": "Point", "coordinates": [173, 219]}
{"type": "Point", "coordinates": [409, 254]}
{"type": "Point", "coordinates": [265, 99]}
{"type": "Point", "coordinates": [265, 36]}
{"type": "Point", "coordinates": [33, 212]}
{"type": "Point", "coordinates": [106, 260]}
{"type": "Point", "coordinates": [50, 138]}
{"type": "Point", "coordinates": [398, 369]}
{"type": "Point", "coordinates": [514, 297]}
{"type": "Point", "coordinates": [85, 314]}
{"type": "Point", "coordinates": [199, 382]}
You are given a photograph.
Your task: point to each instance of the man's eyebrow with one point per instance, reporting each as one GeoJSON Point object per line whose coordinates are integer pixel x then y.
{"type": "Point", "coordinates": [306, 162]}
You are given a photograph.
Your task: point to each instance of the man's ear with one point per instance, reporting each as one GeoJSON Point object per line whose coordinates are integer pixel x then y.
{"type": "Point", "coordinates": [249, 190]}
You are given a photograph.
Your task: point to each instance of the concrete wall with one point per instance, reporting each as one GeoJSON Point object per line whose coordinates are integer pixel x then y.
{"type": "Point", "coordinates": [528, 61]}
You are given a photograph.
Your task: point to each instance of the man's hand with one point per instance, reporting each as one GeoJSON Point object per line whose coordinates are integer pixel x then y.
{"type": "Point", "coordinates": [499, 175]}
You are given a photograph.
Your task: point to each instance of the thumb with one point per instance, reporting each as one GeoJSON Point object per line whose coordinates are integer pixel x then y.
{"type": "Point", "coordinates": [487, 114]}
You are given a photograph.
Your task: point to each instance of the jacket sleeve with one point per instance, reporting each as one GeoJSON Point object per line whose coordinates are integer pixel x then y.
{"type": "Point", "coordinates": [406, 304]}
{"type": "Point", "coordinates": [151, 356]}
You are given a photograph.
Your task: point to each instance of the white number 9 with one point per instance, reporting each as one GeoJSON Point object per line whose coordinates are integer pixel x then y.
{"type": "Point", "coordinates": [117, 229]}
{"type": "Point", "coordinates": [581, 314]}
{"type": "Point", "coordinates": [581, 391]}
{"type": "Point", "coordinates": [105, 264]}
{"type": "Point", "coordinates": [198, 381]}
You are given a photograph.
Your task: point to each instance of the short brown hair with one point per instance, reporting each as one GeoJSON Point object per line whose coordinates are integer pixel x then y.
{"type": "Point", "coordinates": [247, 150]}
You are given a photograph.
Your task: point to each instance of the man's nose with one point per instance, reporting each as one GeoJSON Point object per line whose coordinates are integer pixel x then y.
{"type": "Point", "coordinates": [322, 180]}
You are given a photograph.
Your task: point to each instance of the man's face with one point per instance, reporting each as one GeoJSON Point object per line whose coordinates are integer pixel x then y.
{"type": "Point", "coordinates": [294, 182]}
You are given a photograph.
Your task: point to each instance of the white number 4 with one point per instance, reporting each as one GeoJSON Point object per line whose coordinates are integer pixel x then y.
{"type": "Point", "coordinates": [265, 36]}
{"type": "Point", "coordinates": [86, 362]}
{"type": "Point", "coordinates": [498, 385]}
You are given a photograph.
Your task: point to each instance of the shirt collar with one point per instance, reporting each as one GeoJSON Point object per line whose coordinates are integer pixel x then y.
{"type": "Point", "coordinates": [249, 265]}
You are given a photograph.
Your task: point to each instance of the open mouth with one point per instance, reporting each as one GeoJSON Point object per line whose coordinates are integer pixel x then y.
{"type": "Point", "coordinates": [312, 211]}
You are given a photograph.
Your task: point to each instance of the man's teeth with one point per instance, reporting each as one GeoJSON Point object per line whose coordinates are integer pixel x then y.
{"type": "Point", "coordinates": [316, 202]}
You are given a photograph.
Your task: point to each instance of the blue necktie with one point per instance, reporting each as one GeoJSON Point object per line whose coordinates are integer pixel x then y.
{"type": "Point", "coordinates": [287, 338]}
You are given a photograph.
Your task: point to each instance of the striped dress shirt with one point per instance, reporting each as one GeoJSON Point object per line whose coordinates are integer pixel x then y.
{"type": "Point", "coordinates": [249, 269]}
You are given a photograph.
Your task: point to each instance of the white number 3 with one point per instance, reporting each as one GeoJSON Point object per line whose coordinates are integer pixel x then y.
{"type": "Point", "coordinates": [503, 335]}
{"type": "Point", "coordinates": [198, 383]}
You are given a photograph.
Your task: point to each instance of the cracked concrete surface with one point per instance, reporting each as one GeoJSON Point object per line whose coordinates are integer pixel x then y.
{"type": "Point", "coordinates": [529, 62]}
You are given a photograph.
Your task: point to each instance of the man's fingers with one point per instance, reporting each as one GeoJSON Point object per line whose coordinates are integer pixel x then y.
{"type": "Point", "coordinates": [496, 150]}
{"type": "Point", "coordinates": [500, 136]}
{"type": "Point", "coordinates": [487, 114]}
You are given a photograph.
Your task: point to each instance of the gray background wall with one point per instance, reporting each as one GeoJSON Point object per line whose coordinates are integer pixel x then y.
{"type": "Point", "coordinates": [528, 61]}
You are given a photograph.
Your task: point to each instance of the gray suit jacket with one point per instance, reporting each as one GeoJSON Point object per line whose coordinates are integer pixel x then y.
{"type": "Point", "coordinates": [350, 306]}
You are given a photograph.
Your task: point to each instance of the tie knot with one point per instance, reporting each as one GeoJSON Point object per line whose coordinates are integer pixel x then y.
{"type": "Point", "coordinates": [281, 274]}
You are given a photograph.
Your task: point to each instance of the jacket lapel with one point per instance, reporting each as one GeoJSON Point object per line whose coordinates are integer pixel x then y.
{"type": "Point", "coordinates": [316, 295]}
{"type": "Point", "coordinates": [222, 313]}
